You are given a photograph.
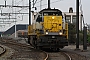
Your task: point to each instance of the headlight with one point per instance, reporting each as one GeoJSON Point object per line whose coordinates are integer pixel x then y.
{"type": "Point", "coordinates": [60, 33]}
{"type": "Point", "coordinates": [46, 32]}
{"type": "Point", "coordinates": [53, 17]}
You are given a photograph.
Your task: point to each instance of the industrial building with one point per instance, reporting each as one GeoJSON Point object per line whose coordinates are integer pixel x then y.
{"type": "Point", "coordinates": [71, 17]}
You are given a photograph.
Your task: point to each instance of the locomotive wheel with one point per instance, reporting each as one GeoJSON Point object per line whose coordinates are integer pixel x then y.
{"type": "Point", "coordinates": [57, 49]}
{"type": "Point", "coordinates": [28, 39]}
{"type": "Point", "coordinates": [33, 41]}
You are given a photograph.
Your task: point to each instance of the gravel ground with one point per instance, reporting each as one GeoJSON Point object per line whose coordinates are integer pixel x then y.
{"type": "Point", "coordinates": [7, 54]}
{"type": "Point", "coordinates": [81, 55]}
{"type": "Point", "coordinates": [1, 50]}
{"type": "Point", "coordinates": [56, 56]}
{"type": "Point", "coordinates": [17, 51]}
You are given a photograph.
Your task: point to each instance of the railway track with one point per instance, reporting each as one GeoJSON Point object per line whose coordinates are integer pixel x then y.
{"type": "Point", "coordinates": [2, 50]}
{"type": "Point", "coordinates": [57, 56]}
{"type": "Point", "coordinates": [26, 52]}
{"type": "Point", "coordinates": [22, 51]}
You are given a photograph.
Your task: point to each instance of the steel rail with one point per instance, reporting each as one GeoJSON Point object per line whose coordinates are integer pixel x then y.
{"type": "Point", "coordinates": [46, 53]}
{"type": "Point", "coordinates": [46, 56]}
{"type": "Point", "coordinates": [13, 43]}
{"type": "Point", "coordinates": [69, 58]}
{"type": "Point", "coordinates": [4, 50]}
{"type": "Point", "coordinates": [63, 53]}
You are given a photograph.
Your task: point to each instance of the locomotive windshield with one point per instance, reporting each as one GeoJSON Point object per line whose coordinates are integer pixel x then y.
{"type": "Point", "coordinates": [39, 19]}
{"type": "Point", "coordinates": [39, 16]}
{"type": "Point", "coordinates": [52, 13]}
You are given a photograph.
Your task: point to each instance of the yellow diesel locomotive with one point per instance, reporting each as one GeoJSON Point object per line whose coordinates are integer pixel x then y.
{"type": "Point", "coordinates": [48, 30]}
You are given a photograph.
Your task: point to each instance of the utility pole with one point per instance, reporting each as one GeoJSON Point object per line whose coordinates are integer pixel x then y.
{"type": "Point", "coordinates": [85, 38]}
{"type": "Point", "coordinates": [5, 3]}
{"type": "Point", "coordinates": [29, 12]}
{"type": "Point", "coordinates": [29, 18]}
{"type": "Point", "coordinates": [77, 24]}
{"type": "Point", "coordinates": [48, 4]}
{"type": "Point", "coordinates": [15, 23]}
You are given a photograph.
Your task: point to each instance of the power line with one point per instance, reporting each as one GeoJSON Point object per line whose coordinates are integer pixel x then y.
{"type": "Point", "coordinates": [32, 4]}
{"type": "Point", "coordinates": [13, 6]}
{"type": "Point", "coordinates": [51, 3]}
{"type": "Point", "coordinates": [40, 4]}
{"type": "Point", "coordinates": [35, 2]}
{"type": "Point", "coordinates": [18, 2]}
{"type": "Point", "coordinates": [38, 1]}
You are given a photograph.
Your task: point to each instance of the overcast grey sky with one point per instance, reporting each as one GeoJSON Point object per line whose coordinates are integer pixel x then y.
{"type": "Point", "coordinates": [63, 5]}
